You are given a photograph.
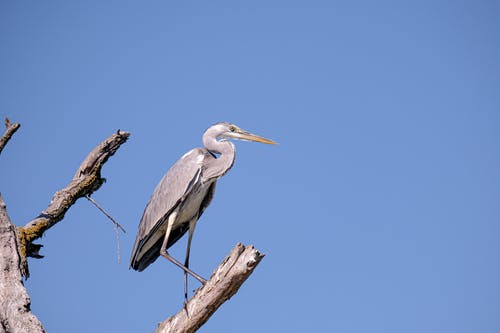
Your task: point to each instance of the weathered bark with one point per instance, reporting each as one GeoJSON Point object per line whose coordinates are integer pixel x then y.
{"type": "Point", "coordinates": [86, 180]}
{"type": "Point", "coordinates": [10, 129]}
{"type": "Point", "coordinates": [17, 243]}
{"type": "Point", "coordinates": [15, 313]}
{"type": "Point", "coordinates": [223, 284]}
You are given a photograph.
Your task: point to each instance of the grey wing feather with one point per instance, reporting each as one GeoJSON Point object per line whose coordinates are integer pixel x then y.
{"type": "Point", "coordinates": [169, 192]}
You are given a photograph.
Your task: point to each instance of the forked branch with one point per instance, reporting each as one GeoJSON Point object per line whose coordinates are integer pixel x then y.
{"type": "Point", "coordinates": [86, 180]}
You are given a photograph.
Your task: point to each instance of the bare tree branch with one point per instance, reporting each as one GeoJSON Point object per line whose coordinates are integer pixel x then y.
{"type": "Point", "coordinates": [15, 313]}
{"type": "Point", "coordinates": [86, 180]}
{"type": "Point", "coordinates": [9, 132]}
{"type": "Point", "coordinates": [16, 244]}
{"type": "Point", "coordinates": [223, 284]}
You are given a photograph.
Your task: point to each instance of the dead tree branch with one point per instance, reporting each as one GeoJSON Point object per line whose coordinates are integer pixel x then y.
{"type": "Point", "coordinates": [223, 284]}
{"type": "Point", "coordinates": [15, 313]}
{"type": "Point", "coordinates": [86, 180]}
{"type": "Point", "coordinates": [17, 244]}
{"type": "Point", "coordinates": [9, 132]}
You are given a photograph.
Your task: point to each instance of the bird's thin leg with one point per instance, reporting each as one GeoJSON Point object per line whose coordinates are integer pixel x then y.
{"type": "Point", "coordinates": [192, 225]}
{"type": "Point", "coordinates": [165, 254]}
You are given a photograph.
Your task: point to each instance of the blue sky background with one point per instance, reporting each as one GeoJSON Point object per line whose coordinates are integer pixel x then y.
{"type": "Point", "coordinates": [378, 211]}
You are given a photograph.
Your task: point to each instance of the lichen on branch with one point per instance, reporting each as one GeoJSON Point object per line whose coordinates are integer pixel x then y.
{"type": "Point", "coordinates": [86, 181]}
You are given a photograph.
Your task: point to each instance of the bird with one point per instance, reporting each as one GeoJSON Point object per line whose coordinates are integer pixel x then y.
{"type": "Point", "coordinates": [183, 194]}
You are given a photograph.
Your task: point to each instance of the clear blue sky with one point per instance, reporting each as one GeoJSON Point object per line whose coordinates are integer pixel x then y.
{"type": "Point", "coordinates": [378, 211]}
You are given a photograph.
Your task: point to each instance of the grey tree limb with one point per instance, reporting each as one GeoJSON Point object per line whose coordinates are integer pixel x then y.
{"type": "Point", "coordinates": [17, 243]}
{"type": "Point", "coordinates": [223, 284]}
{"type": "Point", "coordinates": [86, 181]}
{"type": "Point", "coordinates": [10, 129]}
{"type": "Point", "coordinates": [15, 313]}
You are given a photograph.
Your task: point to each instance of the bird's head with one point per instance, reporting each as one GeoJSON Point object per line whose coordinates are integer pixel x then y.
{"type": "Point", "coordinates": [225, 131]}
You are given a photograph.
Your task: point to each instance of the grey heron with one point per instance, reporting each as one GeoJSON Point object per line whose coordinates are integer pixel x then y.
{"type": "Point", "coordinates": [182, 195]}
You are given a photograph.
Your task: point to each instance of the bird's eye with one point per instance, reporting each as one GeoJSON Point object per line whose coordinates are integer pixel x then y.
{"type": "Point", "coordinates": [232, 128]}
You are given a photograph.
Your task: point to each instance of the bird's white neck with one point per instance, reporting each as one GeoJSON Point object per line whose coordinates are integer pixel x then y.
{"type": "Point", "coordinates": [219, 166]}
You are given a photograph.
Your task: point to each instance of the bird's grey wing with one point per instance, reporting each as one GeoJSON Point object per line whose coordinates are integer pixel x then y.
{"type": "Point", "coordinates": [169, 192]}
{"type": "Point", "coordinates": [208, 198]}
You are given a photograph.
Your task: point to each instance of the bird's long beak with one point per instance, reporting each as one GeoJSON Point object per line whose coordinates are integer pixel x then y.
{"type": "Point", "coordinates": [243, 135]}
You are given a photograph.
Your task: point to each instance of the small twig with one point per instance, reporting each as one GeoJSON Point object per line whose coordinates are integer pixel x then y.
{"type": "Point", "coordinates": [10, 129]}
{"type": "Point", "coordinates": [117, 225]}
{"type": "Point", "coordinates": [117, 234]}
{"type": "Point", "coordinates": [89, 198]}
